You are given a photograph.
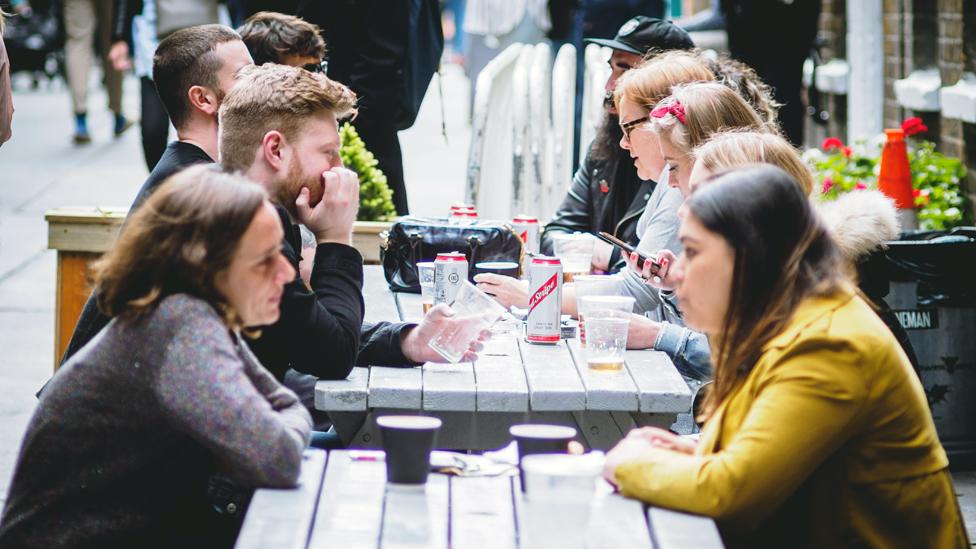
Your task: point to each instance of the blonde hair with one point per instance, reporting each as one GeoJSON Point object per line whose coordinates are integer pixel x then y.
{"type": "Point", "coordinates": [742, 79]}
{"type": "Point", "coordinates": [653, 79]}
{"type": "Point", "coordinates": [732, 149]}
{"type": "Point", "coordinates": [275, 97]}
{"type": "Point", "coordinates": [708, 108]}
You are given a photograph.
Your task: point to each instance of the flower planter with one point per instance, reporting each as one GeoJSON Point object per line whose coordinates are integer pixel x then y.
{"type": "Point", "coordinates": [366, 239]}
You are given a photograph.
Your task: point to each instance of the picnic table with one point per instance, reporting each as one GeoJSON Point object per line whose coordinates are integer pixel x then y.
{"type": "Point", "coordinates": [342, 502]}
{"type": "Point", "coordinates": [512, 382]}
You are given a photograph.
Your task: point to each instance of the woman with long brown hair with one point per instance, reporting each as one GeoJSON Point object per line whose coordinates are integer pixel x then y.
{"type": "Point", "coordinates": [130, 430]}
{"type": "Point", "coordinates": [817, 431]}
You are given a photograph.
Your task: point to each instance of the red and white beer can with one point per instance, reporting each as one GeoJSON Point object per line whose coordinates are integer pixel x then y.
{"type": "Point", "coordinates": [464, 217]}
{"type": "Point", "coordinates": [527, 227]}
{"type": "Point", "coordinates": [545, 300]}
{"type": "Point", "coordinates": [450, 270]}
{"type": "Point", "coordinates": [461, 206]}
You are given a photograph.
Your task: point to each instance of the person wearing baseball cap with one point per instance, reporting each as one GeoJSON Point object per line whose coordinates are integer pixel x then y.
{"type": "Point", "coordinates": [606, 194]}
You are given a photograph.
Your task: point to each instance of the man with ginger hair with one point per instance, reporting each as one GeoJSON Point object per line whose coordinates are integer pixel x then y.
{"type": "Point", "coordinates": [279, 127]}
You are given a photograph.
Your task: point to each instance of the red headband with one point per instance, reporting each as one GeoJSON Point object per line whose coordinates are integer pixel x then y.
{"type": "Point", "coordinates": [673, 107]}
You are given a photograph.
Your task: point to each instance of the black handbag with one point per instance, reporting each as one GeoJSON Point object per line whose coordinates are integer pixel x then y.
{"type": "Point", "coordinates": [416, 239]}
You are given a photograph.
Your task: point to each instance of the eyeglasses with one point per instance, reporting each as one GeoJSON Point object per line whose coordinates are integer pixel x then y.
{"type": "Point", "coordinates": [320, 67]}
{"type": "Point", "coordinates": [628, 127]}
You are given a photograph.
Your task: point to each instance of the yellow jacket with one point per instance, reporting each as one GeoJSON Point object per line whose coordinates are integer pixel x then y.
{"type": "Point", "coordinates": [828, 442]}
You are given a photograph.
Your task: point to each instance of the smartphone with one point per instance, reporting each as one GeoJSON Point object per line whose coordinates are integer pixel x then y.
{"type": "Point", "coordinates": [628, 249]}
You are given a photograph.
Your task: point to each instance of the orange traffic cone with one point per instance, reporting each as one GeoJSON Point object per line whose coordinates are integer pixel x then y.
{"type": "Point", "coordinates": [895, 179]}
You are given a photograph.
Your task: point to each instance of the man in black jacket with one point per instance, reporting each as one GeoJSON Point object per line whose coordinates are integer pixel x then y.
{"type": "Point", "coordinates": [607, 195]}
{"type": "Point", "coordinates": [279, 127]}
{"type": "Point", "coordinates": [194, 69]}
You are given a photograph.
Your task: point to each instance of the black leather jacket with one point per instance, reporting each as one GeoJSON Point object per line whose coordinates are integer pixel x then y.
{"type": "Point", "coordinates": [597, 186]}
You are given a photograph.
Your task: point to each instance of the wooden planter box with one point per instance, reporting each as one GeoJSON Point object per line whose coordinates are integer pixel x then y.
{"type": "Point", "coordinates": [366, 239]}
{"type": "Point", "coordinates": [82, 234]}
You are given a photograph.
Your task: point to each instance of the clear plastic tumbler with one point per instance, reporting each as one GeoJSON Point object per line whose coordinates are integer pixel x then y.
{"type": "Point", "coordinates": [607, 321]}
{"type": "Point", "coordinates": [475, 311]}
{"type": "Point", "coordinates": [576, 252]}
{"type": "Point", "coordinates": [425, 272]}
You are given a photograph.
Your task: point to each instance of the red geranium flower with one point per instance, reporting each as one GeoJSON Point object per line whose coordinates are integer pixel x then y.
{"type": "Point", "coordinates": [912, 126]}
{"type": "Point", "coordinates": [828, 183]}
{"type": "Point", "coordinates": [831, 143]}
{"type": "Point", "coordinates": [860, 186]}
{"type": "Point", "coordinates": [847, 151]}
{"type": "Point", "coordinates": [921, 197]}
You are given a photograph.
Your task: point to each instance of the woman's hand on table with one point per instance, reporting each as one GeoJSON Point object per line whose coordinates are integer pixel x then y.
{"type": "Point", "coordinates": [663, 278]}
{"type": "Point", "coordinates": [506, 290]}
{"type": "Point", "coordinates": [415, 342]}
{"type": "Point", "coordinates": [638, 444]}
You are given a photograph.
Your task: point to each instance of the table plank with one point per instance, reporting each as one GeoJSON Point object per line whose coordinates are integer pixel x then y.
{"type": "Point", "coordinates": [660, 387]}
{"type": "Point", "coordinates": [482, 515]}
{"type": "Point", "coordinates": [416, 518]}
{"type": "Point", "coordinates": [380, 303]}
{"type": "Point", "coordinates": [343, 395]}
{"type": "Point", "coordinates": [410, 306]}
{"type": "Point", "coordinates": [395, 387]}
{"type": "Point", "coordinates": [283, 518]}
{"type": "Point", "coordinates": [554, 383]}
{"type": "Point", "coordinates": [350, 511]}
{"type": "Point", "coordinates": [449, 387]}
{"type": "Point", "coordinates": [500, 378]}
{"type": "Point", "coordinates": [674, 530]}
{"type": "Point", "coordinates": [618, 522]}
{"type": "Point", "coordinates": [604, 390]}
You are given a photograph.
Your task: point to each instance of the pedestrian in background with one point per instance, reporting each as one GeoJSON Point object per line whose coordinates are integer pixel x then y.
{"type": "Point", "coordinates": [84, 21]}
{"type": "Point", "coordinates": [6, 101]}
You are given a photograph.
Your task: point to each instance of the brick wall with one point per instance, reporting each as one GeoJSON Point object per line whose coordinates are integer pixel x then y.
{"type": "Point", "coordinates": [897, 31]}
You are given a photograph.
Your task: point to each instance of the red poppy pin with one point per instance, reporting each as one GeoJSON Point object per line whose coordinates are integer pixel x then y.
{"type": "Point", "coordinates": [604, 188]}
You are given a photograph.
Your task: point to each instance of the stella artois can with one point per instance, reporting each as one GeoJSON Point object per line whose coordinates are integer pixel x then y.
{"type": "Point", "coordinates": [527, 227]}
{"type": "Point", "coordinates": [545, 300]}
{"type": "Point", "coordinates": [450, 270]}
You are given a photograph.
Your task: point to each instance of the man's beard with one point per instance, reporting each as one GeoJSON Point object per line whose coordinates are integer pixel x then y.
{"type": "Point", "coordinates": [290, 187]}
{"type": "Point", "coordinates": [608, 100]}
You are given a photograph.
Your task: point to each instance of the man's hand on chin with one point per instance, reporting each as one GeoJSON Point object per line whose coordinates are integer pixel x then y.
{"type": "Point", "coordinates": [414, 343]}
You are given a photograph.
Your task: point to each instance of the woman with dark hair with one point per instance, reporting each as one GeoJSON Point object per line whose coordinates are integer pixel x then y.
{"type": "Point", "coordinates": [129, 431]}
{"type": "Point", "coordinates": [817, 431]}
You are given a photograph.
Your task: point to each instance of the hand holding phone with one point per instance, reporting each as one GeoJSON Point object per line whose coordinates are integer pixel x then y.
{"type": "Point", "coordinates": [628, 249]}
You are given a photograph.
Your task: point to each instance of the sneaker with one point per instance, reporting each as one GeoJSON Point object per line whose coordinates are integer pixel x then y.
{"type": "Point", "coordinates": [81, 136]}
{"type": "Point", "coordinates": [121, 124]}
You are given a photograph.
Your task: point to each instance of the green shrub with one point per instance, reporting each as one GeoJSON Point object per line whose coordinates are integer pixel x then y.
{"type": "Point", "coordinates": [375, 196]}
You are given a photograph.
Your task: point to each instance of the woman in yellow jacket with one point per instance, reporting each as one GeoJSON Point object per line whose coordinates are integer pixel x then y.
{"type": "Point", "coordinates": [818, 432]}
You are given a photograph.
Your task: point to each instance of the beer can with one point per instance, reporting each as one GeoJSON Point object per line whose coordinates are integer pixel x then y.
{"type": "Point", "coordinates": [464, 217]}
{"type": "Point", "coordinates": [527, 227]}
{"type": "Point", "coordinates": [461, 206]}
{"type": "Point", "coordinates": [545, 300]}
{"type": "Point", "coordinates": [450, 270]}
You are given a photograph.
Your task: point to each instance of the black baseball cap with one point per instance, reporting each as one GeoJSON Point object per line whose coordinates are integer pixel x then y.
{"type": "Point", "coordinates": [641, 34]}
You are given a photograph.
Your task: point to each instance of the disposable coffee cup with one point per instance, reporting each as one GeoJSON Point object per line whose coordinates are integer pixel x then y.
{"type": "Point", "coordinates": [540, 439]}
{"type": "Point", "coordinates": [504, 268]}
{"type": "Point", "coordinates": [407, 441]}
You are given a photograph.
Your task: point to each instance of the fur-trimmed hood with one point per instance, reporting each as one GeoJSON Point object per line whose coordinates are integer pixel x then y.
{"type": "Point", "coordinates": [860, 222]}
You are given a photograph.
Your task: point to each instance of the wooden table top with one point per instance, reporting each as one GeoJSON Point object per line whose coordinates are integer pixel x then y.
{"type": "Point", "coordinates": [342, 502]}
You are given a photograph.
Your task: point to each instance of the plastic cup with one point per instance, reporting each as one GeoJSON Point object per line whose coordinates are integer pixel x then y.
{"type": "Point", "coordinates": [589, 285]}
{"type": "Point", "coordinates": [425, 273]}
{"type": "Point", "coordinates": [606, 323]}
{"type": "Point", "coordinates": [475, 311]}
{"type": "Point", "coordinates": [504, 268]}
{"type": "Point", "coordinates": [559, 493]}
{"type": "Point", "coordinates": [534, 439]}
{"type": "Point", "coordinates": [407, 441]}
{"type": "Point", "coordinates": [576, 253]}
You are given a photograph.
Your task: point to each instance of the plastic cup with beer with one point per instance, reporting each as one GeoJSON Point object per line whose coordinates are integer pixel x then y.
{"type": "Point", "coordinates": [425, 274]}
{"type": "Point", "coordinates": [606, 322]}
{"type": "Point", "coordinates": [575, 251]}
{"type": "Point", "coordinates": [474, 312]}
{"type": "Point", "coordinates": [587, 285]}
